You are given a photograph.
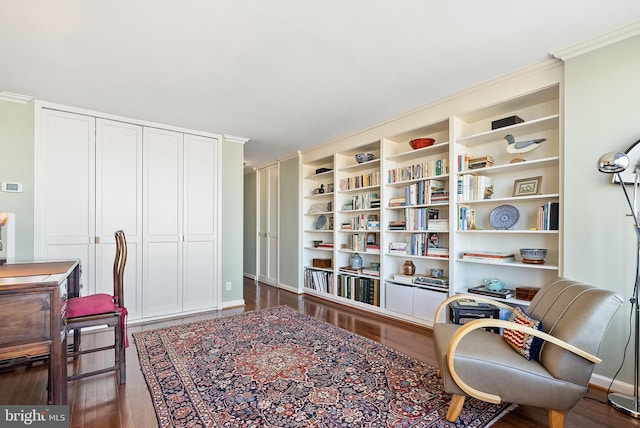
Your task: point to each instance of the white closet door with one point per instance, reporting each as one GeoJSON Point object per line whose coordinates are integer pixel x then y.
{"type": "Point", "coordinates": [268, 225]}
{"type": "Point", "coordinates": [119, 206]}
{"type": "Point", "coordinates": [200, 288]}
{"type": "Point", "coordinates": [162, 210]}
{"type": "Point", "coordinates": [67, 185]}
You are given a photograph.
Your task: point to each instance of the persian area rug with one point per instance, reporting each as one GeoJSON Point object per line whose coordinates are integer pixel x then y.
{"type": "Point", "coordinates": [279, 368]}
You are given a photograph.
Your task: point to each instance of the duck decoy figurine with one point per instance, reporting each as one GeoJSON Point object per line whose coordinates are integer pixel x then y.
{"type": "Point", "coordinates": [522, 146]}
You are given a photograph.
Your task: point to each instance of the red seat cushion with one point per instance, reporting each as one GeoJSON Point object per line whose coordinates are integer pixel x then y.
{"type": "Point", "coordinates": [90, 305]}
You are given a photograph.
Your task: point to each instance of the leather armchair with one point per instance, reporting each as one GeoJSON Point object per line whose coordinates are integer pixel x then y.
{"type": "Point", "coordinates": [477, 363]}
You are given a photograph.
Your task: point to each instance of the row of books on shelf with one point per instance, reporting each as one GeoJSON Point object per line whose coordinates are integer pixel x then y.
{"type": "Point", "coordinates": [362, 242]}
{"type": "Point", "coordinates": [423, 218]}
{"type": "Point", "coordinates": [361, 222]}
{"type": "Point", "coordinates": [360, 181]}
{"type": "Point", "coordinates": [429, 168]}
{"type": "Point", "coordinates": [319, 280]}
{"type": "Point", "coordinates": [422, 193]}
{"type": "Point", "coordinates": [362, 201]}
{"type": "Point", "coordinates": [366, 290]}
{"type": "Point", "coordinates": [420, 244]}
{"type": "Point", "coordinates": [548, 216]}
{"type": "Point", "coordinates": [467, 162]}
{"type": "Point", "coordinates": [472, 187]}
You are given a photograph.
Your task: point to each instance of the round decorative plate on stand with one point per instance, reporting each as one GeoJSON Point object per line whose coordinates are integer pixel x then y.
{"type": "Point", "coordinates": [504, 217]}
{"type": "Point", "coordinates": [320, 223]}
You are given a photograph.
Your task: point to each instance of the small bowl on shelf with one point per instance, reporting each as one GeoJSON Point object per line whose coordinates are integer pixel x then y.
{"type": "Point", "coordinates": [316, 244]}
{"type": "Point", "coordinates": [493, 284]}
{"type": "Point", "coordinates": [533, 255]}
{"type": "Point", "coordinates": [420, 143]}
{"type": "Point", "coordinates": [364, 157]}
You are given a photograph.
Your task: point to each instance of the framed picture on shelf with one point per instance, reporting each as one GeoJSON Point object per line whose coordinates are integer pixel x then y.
{"type": "Point", "coordinates": [527, 186]}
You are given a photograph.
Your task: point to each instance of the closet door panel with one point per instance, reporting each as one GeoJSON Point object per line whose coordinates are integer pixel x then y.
{"type": "Point", "coordinates": [200, 288]}
{"type": "Point", "coordinates": [67, 181]}
{"type": "Point", "coordinates": [162, 281]}
{"type": "Point", "coordinates": [199, 291]}
{"type": "Point", "coordinates": [162, 225]}
{"type": "Point", "coordinates": [119, 206]}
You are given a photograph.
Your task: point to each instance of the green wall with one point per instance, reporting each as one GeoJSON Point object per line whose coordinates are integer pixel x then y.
{"type": "Point", "coordinates": [602, 114]}
{"type": "Point", "coordinates": [250, 223]}
{"type": "Point", "coordinates": [16, 165]}
{"type": "Point", "coordinates": [289, 257]}
{"type": "Point", "coordinates": [232, 226]}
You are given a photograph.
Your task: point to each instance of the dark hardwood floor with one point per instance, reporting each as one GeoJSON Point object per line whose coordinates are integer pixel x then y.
{"type": "Point", "coordinates": [99, 401]}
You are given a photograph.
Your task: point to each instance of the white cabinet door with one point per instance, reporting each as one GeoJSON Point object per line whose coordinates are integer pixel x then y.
{"type": "Point", "coordinates": [119, 206]}
{"type": "Point", "coordinates": [200, 289]}
{"type": "Point", "coordinates": [162, 225]}
{"type": "Point", "coordinates": [66, 191]}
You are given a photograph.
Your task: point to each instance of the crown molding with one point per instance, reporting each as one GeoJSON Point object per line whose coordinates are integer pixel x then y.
{"type": "Point", "coordinates": [598, 42]}
{"type": "Point", "coordinates": [234, 139]}
{"type": "Point", "coordinates": [15, 98]}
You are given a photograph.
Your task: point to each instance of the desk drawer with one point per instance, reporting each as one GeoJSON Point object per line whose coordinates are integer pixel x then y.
{"type": "Point", "coordinates": [25, 318]}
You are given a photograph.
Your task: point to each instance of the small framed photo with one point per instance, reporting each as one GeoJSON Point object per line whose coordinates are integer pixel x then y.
{"type": "Point", "coordinates": [527, 186]}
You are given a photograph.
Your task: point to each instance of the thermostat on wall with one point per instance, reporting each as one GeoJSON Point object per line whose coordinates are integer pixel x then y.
{"type": "Point", "coordinates": [11, 187]}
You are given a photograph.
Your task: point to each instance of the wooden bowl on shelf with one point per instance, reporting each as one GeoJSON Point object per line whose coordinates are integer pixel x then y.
{"type": "Point", "coordinates": [420, 143]}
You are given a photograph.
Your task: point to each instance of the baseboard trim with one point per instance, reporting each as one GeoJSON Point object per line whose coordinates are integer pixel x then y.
{"type": "Point", "coordinates": [603, 383]}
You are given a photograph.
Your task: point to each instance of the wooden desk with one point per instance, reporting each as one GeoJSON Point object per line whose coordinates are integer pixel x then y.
{"type": "Point", "coordinates": [33, 304]}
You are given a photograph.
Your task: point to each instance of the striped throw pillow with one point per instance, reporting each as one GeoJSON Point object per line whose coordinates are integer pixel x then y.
{"type": "Point", "coordinates": [525, 344]}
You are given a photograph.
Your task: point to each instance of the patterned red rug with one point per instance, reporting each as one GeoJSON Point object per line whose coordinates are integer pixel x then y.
{"type": "Point", "coordinates": [278, 368]}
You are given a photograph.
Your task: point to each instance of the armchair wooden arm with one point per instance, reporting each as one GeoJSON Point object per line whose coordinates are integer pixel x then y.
{"type": "Point", "coordinates": [475, 297]}
{"type": "Point", "coordinates": [488, 322]}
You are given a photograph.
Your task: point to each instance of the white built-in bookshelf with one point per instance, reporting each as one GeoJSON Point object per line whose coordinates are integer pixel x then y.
{"type": "Point", "coordinates": [428, 206]}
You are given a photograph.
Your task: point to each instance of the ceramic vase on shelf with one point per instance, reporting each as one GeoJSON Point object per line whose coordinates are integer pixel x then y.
{"type": "Point", "coordinates": [408, 268]}
{"type": "Point", "coordinates": [356, 261]}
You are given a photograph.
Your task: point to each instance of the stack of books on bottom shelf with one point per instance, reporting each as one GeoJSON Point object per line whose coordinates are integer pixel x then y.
{"type": "Point", "coordinates": [318, 280]}
{"type": "Point", "coordinates": [489, 256]}
{"type": "Point", "coordinates": [505, 293]}
{"type": "Point", "coordinates": [366, 290]}
{"type": "Point", "coordinates": [442, 282]}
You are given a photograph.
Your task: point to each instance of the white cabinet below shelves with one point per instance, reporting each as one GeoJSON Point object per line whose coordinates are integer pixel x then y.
{"type": "Point", "coordinates": [413, 301]}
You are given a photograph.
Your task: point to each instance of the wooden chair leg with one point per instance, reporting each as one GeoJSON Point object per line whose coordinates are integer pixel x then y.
{"type": "Point", "coordinates": [120, 354]}
{"type": "Point", "coordinates": [77, 332]}
{"type": "Point", "coordinates": [556, 419]}
{"type": "Point", "coordinates": [455, 407]}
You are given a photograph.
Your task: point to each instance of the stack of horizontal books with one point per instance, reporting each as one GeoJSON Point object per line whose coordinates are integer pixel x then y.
{"type": "Point", "coordinates": [505, 293]}
{"type": "Point", "coordinates": [398, 248]}
{"type": "Point", "coordinates": [397, 225]}
{"type": "Point", "coordinates": [442, 282]}
{"type": "Point", "coordinates": [480, 162]}
{"type": "Point", "coordinates": [489, 256]}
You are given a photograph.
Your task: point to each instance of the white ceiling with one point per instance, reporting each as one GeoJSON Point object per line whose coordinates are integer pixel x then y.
{"type": "Point", "coordinates": [288, 74]}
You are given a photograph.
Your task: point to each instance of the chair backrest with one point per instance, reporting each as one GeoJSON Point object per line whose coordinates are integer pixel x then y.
{"type": "Point", "coordinates": [118, 267]}
{"type": "Point", "coordinates": [579, 314]}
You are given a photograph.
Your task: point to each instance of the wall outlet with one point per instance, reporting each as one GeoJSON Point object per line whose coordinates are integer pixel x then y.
{"type": "Point", "coordinates": [228, 284]}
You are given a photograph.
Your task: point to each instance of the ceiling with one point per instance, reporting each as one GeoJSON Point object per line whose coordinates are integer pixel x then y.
{"type": "Point", "coordinates": [288, 74]}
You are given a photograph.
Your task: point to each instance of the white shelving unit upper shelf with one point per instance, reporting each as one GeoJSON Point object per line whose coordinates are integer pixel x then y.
{"type": "Point", "coordinates": [524, 128]}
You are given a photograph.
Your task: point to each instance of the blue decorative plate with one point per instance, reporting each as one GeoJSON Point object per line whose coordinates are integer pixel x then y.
{"type": "Point", "coordinates": [504, 217]}
{"type": "Point", "coordinates": [320, 223]}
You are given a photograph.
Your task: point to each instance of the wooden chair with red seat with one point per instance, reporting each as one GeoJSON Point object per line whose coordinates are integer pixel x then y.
{"type": "Point", "coordinates": [102, 309]}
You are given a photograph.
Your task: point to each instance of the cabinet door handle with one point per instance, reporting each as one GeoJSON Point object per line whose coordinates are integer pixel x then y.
{"type": "Point", "coordinates": [97, 240]}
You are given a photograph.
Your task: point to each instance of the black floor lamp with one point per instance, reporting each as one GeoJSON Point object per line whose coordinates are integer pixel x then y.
{"type": "Point", "coordinates": [615, 163]}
